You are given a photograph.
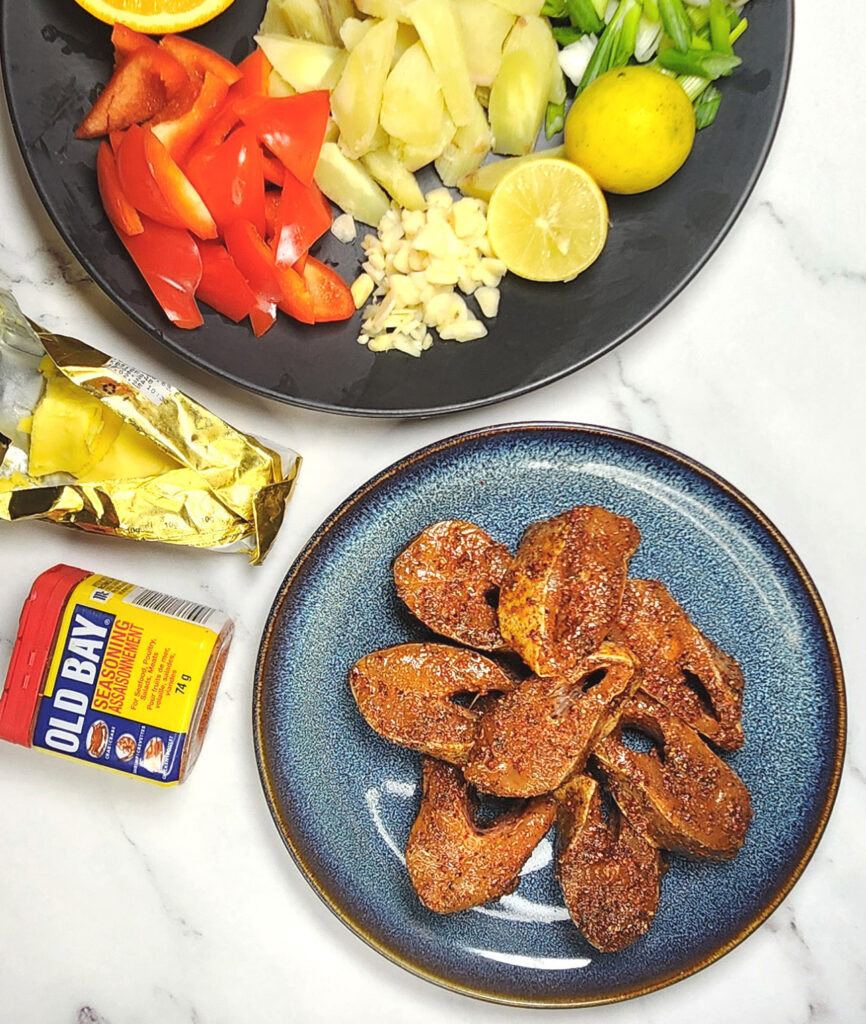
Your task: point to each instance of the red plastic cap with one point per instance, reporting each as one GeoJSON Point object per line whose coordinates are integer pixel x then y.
{"type": "Point", "coordinates": [34, 645]}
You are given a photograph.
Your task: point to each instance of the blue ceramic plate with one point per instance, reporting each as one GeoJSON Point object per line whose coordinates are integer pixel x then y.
{"type": "Point", "coordinates": [344, 799]}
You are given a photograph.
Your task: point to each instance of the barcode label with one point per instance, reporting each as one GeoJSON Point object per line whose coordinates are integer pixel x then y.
{"type": "Point", "coordinates": [176, 607]}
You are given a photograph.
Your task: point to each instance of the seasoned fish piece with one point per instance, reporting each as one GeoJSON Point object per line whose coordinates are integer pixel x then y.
{"type": "Point", "coordinates": [685, 799]}
{"type": "Point", "coordinates": [671, 649]}
{"type": "Point", "coordinates": [561, 594]}
{"type": "Point", "coordinates": [610, 875]}
{"type": "Point", "coordinates": [534, 738]}
{"type": "Point", "coordinates": [446, 575]}
{"type": "Point", "coordinates": [455, 863]}
{"type": "Point", "coordinates": [406, 694]}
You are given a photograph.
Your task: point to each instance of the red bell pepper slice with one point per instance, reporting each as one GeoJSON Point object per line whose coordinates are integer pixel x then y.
{"type": "Point", "coordinates": [292, 127]}
{"type": "Point", "coordinates": [275, 173]}
{"type": "Point", "coordinates": [263, 319]}
{"type": "Point", "coordinates": [126, 41]}
{"type": "Point", "coordinates": [122, 214]}
{"type": "Point", "coordinates": [332, 298]}
{"type": "Point", "coordinates": [137, 90]}
{"type": "Point", "coordinates": [177, 190]}
{"type": "Point", "coordinates": [230, 180]}
{"type": "Point", "coordinates": [169, 261]}
{"type": "Point", "coordinates": [223, 287]}
{"type": "Point", "coordinates": [305, 215]}
{"type": "Point", "coordinates": [255, 75]}
{"type": "Point", "coordinates": [255, 71]}
{"type": "Point", "coordinates": [137, 180]}
{"type": "Point", "coordinates": [254, 259]}
{"type": "Point", "coordinates": [185, 117]}
{"type": "Point", "coordinates": [272, 211]}
{"type": "Point", "coordinates": [198, 59]}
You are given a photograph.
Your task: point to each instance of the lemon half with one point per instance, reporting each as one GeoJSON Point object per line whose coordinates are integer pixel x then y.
{"type": "Point", "coordinates": [155, 16]}
{"type": "Point", "coordinates": [547, 220]}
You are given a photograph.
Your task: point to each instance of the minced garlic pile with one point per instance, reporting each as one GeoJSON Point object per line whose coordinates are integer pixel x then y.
{"type": "Point", "coordinates": [412, 269]}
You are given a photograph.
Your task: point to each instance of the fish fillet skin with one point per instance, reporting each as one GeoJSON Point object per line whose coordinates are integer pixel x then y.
{"type": "Point", "coordinates": [531, 740]}
{"type": "Point", "coordinates": [561, 595]}
{"type": "Point", "coordinates": [609, 874]}
{"type": "Point", "coordinates": [671, 649]}
{"type": "Point", "coordinates": [454, 863]}
{"type": "Point", "coordinates": [447, 578]}
{"type": "Point", "coordinates": [683, 798]}
{"type": "Point", "coordinates": [406, 694]}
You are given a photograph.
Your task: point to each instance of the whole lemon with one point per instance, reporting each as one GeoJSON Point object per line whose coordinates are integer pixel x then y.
{"type": "Point", "coordinates": [631, 129]}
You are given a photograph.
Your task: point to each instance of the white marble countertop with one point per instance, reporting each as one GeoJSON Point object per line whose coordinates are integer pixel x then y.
{"type": "Point", "coordinates": [126, 903]}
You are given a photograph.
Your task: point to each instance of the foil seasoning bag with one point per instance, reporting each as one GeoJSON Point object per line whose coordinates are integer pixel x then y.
{"type": "Point", "coordinates": [90, 442]}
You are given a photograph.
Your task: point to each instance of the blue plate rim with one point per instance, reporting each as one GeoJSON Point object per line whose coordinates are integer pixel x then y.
{"type": "Point", "coordinates": [455, 441]}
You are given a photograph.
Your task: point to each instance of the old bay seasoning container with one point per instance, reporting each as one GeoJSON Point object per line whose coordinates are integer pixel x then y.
{"type": "Point", "coordinates": [114, 674]}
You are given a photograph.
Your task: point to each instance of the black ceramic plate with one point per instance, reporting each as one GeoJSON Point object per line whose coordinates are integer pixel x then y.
{"type": "Point", "coordinates": [344, 799]}
{"type": "Point", "coordinates": [56, 58]}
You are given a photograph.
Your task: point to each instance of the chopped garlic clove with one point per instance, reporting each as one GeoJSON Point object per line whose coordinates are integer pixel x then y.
{"type": "Point", "coordinates": [361, 289]}
{"type": "Point", "coordinates": [488, 300]}
{"type": "Point", "coordinates": [465, 330]}
{"type": "Point", "coordinates": [343, 228]}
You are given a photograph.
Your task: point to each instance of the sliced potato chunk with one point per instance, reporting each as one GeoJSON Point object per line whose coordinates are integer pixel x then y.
{"type": "Point", "coordinates": [305, 65]}
{"type": "Point", "coordinates": [357, 98]}
{"type": "Point", "coordinates": [274, 22]}
{"type": "Point", "coordinates": [384, 8]}
{"type": "Point", "coordinates": [406, 37]}
{"type": "Point", "coordinates": [353, 30]}
{"type": "Point", "coordinates": [278, 86]}
{"type": "Point", "coordinates": [467, 149]}
{"type": "Point", "coordinates": [520, 8]}
{"type": "Point", "coordinates": [415, 157]}
{"type": "Point", "coordinates": [347, 183]}
{"type": "Point", "coordinates": [439, 32]}
{"type": "Point", "coordinates": [399, 183]}
{"type": "Point", "coordinates": [484, 28]}
{"type": "Point", "coordinates": [412, 105]}
{"type": "Point", "coordinates": [518, 99]}
{"type": "Point", "coordinates": [318, 20]}
{"type": "Point", "coordinates": [519, 96]}
{"type": "Point", "coordinates": [482, 182]}
{"type": "Point", "coordinates": [557, 92]}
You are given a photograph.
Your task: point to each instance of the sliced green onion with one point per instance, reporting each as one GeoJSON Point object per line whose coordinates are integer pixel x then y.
{"type": "Point", "coordinates": [693, 85]}
{"type": "Point", "coordinates": [627, 41]}
{"type": "Point", "coordinates": [707, 106]}
{"type": "Point", "coordinates": [565, 35]}
{"type": "Point", "coordinates": [554, 9]}
{"type": "Point", "coordinates": [699, 17]}
{"type": "Point", "coordinates": [583, 15]}
{"type": "Point", "coordinates": [676, 23]}
{"type": "Point", "coordinates": [705, 63]}
{"type": "Point", "coordinates": [651, 10]}
{"type": "Point", "coordinates": [554, 119]}
{"type": "Point", "coordinates": [613, 49]}
{"type": "Point", "coordinates": [720, 27]}
{"type": "Point", "coordinates": [738, 30]}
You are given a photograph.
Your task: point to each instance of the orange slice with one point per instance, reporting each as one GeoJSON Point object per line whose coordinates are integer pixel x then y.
{"type": "Point", "coordinates": [155, 16]}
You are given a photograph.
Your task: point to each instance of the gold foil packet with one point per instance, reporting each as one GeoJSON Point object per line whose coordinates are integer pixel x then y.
{"type": "Point", "coordinates": [91, 442]}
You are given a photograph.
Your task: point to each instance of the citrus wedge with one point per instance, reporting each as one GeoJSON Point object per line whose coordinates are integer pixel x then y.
{"type": "Point", "coordinates": [155, 16]}
{"type": "Point", "coordinates": [547, 220]}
